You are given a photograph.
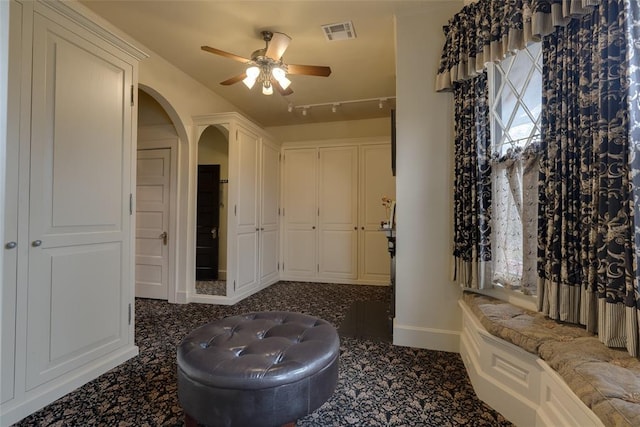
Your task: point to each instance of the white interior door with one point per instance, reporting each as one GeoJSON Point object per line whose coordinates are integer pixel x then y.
{"type": "Point", "coordinates": [79, 220]}
{"type": "Point", "coordinates": [152, 223]}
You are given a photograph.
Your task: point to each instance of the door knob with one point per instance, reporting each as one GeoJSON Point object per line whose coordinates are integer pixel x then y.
{"type": "Point", "coordinates": [11, 245]}
{"type": "Point", "coordinates": [164, 236]}
{"type": "Point", "coordinates": [36, 243]}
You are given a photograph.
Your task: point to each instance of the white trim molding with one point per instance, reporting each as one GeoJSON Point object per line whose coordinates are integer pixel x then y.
{"type": "Point", "coordinates": [516, 383]}
{"type": "Point", "coordinates": [427, 338]}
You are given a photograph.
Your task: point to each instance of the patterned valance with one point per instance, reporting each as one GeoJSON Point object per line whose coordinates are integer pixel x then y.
{"type": "Point", "coordinates": [489, 30]}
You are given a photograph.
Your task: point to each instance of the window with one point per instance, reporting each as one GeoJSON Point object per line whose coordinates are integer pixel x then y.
{"type": "Point", "coordinates": [515, 87]}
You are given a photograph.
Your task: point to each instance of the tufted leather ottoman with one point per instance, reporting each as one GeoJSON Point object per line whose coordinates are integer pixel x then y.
{"type": "Point", "coordinates": [258, 369]}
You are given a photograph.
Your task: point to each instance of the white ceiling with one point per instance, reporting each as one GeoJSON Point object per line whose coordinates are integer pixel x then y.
{"type": "Point", "coordinates": [363, 68]}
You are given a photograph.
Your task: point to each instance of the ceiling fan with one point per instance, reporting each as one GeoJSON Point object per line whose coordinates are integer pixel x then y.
{"type": "Point", "coordinates": [266, 66]}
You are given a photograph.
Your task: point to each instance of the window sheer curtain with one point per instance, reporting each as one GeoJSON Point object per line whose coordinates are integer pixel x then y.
{"type": "Point", "coordinates": [589, 182]}
{"type": "Point", "coordinates": [515, 218]}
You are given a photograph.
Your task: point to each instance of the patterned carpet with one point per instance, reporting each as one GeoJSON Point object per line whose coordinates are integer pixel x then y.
{"type": "Point", "coordinates": [379, 384]}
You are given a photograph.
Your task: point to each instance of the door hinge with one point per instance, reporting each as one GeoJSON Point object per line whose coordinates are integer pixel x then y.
{"type": "Point", "coordinates": [280, 157]}
{"type": "Point", "coordinates": [318, 211]}
{"type": "Point", "coordinates": [278, 266]}
{"type": "Point", "coordinates": [130, 203]}
{"type": "Point", "coordinates": [132, 104]}
{"type": "Point", "coordinates": [129, 313]}
{"type": "Point", "coordinates": [235, 210]}
{"type": "Point", "coordinates": [236, 134]}
{"type": "Point", "coordinates": [234, 286]}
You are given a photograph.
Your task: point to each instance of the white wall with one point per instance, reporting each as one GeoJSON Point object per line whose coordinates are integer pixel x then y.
{"type": "Point", "coordinates": [333, 130]}
{"type": "Point", "coordinates": [427, 314]}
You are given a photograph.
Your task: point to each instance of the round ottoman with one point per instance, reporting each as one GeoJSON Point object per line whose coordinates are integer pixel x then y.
{"type": "Point", "coordinates": [257, 369]}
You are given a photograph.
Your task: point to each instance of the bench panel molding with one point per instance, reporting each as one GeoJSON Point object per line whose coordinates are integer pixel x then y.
{"type": "Point", "coordinates": [518, 384]}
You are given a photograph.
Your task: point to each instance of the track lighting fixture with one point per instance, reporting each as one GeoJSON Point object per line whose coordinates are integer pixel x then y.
{"type": "Point", "coordinates": [334, 105]}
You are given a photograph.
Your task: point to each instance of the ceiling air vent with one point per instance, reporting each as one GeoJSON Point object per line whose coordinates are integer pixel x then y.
{"type": "Point", "coordinates": [340, 31]}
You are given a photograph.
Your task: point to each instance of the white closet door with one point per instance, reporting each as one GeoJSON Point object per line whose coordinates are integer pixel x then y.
{"type": "Point", "coordinates": [376, 181]}
{"type": "Point", "coordinates": [152, 223]}
{"type": "Point", "coordinates": [247, 225]}
{"type": "Point", "coordinates": [269, 219]}
{"type": "Point", "coordinates": [300, 212]}
{"type": "Point", "coordinates": [338, 212]}
{"type": "Point", "coordinates": [80, 225]}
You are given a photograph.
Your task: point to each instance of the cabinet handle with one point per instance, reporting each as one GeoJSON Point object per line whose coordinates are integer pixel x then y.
{"type": "Point", "coordinates": [355, 228]}
{"type": "Point", "coordinates": [261, 228]}
{"type": "Point", "coordinates": [257, 229]}
{"type": "Point", "coordinates": [362, 228]}
{"type": "Point", "coordinates": [36, 243]}
{"type": "Point", "coordinates": [313, 228]}
{"type": "Point", "coordinates": [11, 245]}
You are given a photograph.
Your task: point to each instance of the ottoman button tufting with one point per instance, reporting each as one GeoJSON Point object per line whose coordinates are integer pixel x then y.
{"type": "Point", "coordinates": [258, 369]}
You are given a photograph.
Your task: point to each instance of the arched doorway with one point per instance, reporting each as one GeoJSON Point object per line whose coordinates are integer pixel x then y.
{"type": "Point", "coordinates": [211, 211]}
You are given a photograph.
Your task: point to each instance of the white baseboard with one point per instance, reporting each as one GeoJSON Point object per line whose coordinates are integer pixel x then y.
{"type": "Point", "coordinates": [33, 400]}
{"type": "Point", "coordinates": [427, 338]}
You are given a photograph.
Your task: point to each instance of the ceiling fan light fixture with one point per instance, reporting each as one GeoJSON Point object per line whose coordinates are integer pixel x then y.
{"type": "Point", "coordinates": [249, 82]}
{"type": "Point", "coordinates": [280, 76]}
{"type": "Point", "coordinates": [267, 89]}
{"type": "Point", "coordinates": [253, 72]}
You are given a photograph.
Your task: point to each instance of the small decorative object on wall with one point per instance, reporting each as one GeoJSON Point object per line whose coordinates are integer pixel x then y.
{"type": "Point", "coordinates": [390, 210]}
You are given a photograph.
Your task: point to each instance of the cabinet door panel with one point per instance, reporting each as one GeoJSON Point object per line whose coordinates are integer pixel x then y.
{"type": "Point", "coordinates": [300, 252]}
{"type": "Point", "coordinates": [247, 256]}
{"type": "Point", "coordinates": [9, 269]}
{"type": "Point", "coordinates": [300, 212]}
{"type": "Point", "coordinates": [269, 218]}
{"type": "Point", "coordinates": [247, 225]}
{"type": "Point", "coordinates": [338, 253]}
{"type": "Point", "coordinates": [376, 181]}
{"type": "Point", "coordinates": [338, 201]}
{"type": "Point", "coordinates": [79, 263]}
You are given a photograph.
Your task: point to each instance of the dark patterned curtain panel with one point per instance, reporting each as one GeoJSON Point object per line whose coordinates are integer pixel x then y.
{"type": "Point", "coordinates": [472, 186]}
{"type": "Point", "coordinates": [489, 30]}
{"type": "Point", "coordinates": [587, 235]}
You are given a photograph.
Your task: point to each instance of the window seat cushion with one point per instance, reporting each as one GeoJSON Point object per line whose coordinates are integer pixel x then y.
{"type": "Point", "coordinates": [607, 380]}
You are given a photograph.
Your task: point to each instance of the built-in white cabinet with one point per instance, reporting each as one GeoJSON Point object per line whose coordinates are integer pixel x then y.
{"type": "Point", "coordinates": [332, 200]}
{"type": "Point", "coordinates": [68, 282]}
{"type": "Point", "coordinates": [252, 208]}
{"type": "Point", "coordinates": [269, 236]}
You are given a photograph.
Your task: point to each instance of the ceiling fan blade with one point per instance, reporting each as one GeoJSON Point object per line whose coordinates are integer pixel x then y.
{"type": "Point", "coordinates": [309, 70]}
{"type": "Point", "coordinates": [225, 54]}
{"type": "Point", "coordinates": [278, 44]}
{"type": "Point", "coordinates": [280, 89]}
{"type": "Point", "coordinates": [234, 79]}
